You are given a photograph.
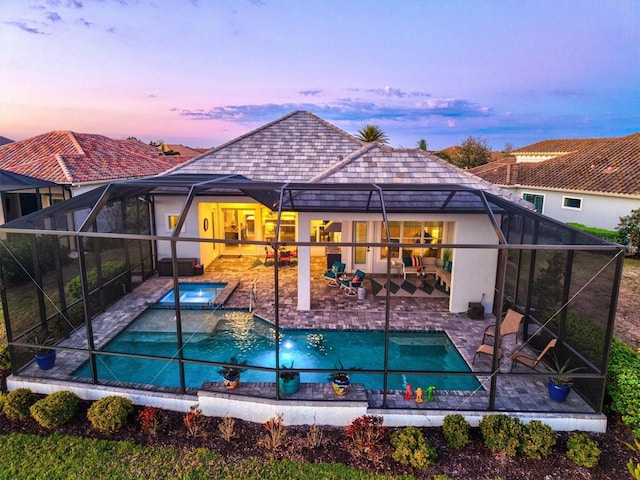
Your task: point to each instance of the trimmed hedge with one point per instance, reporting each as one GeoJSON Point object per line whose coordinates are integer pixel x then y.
{"type": "Point", "coordinates": [110, 414]}
{"type": "Point", "coordinates": [56, 409]}
{"type": "Point", "coordinates": [607, 235]}
{"type": "Point", "coordinates": [109, 270]}
{"type": "Point", "coordinates": [17, 403]}
{"type": "Point", "coordinates": [623, 384]}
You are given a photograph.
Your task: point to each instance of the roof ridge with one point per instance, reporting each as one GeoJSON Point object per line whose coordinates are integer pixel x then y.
{"type": "Point", "coordinates": [64, 167]}
{"type": "Point", "coordinates": [74, 141]}
{"type": "Point", "coordinates": [345, 161]}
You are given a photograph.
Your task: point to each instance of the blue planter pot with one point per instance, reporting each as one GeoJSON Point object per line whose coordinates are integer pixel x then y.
{"type": "Point", "coordinates": [558, 393]}
{"type": "Point", "coordinates": [46, 361]}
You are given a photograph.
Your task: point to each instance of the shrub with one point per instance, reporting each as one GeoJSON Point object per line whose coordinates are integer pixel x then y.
{"type": "Point", "coordinates": [56, 409]}
{"type": "Point", "coordinates": [150, 419]}
{"type": "Point", "coordinates": [109, 270]}
{"type": "Point", "coordinates": [623, 384]}
{"type": "Point", "coordinates": [608, 235]}
{"type": "Point", "coordinates": [16, 259]}
{"type": "Point", "coordinates": [537, 439]}
{"type": "Point", "coordinates": [5, 361]}
{"type": "Point", "coordinates": [634, 468]}
{"type": "Point", "coordinates": [456, 431]}
{"type": "Point", "coordinates": [2, 397]}
{"type": "Point", "coordinates": [366, 433]}
{"type": "Point", "coordinates": [227, 426]}
{"type": "Point", "coordinates": [194, 421]}
{"type": "Point", "coordinates": [110, 414]}
{"type": "Point", "coordinates": [276, 433]}
{"type": "Point", "coordinates": [412, 449]}
{"type": "Point", "coordinates": [501, 433]}
{"type": "Point", "coordinates": [314, 435]}
{"type": "Point", "coordinates": [583, 451]}
{"type": "Point", "coordinates": [17, 403]}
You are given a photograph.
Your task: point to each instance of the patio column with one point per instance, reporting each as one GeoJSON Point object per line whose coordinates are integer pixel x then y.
{"type": "Point", "coordinates": [304, 265]}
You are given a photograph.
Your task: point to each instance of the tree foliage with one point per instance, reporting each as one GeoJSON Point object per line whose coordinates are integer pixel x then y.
{"type": "Point", "coordinates": [422, 144]}
{"type": "Point", "coordinates": [372, 133]}
{"type": "Point", "coordinates": [474, 151]}
{"type": "Point", "coordinates": [629, 227]}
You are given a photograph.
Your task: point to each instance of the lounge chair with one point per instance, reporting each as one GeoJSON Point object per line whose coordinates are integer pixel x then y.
{"type": "Point", "coordinates": [528, 360]}
{"type": "Point", "coordinates": [351, 286]}
{"type": "Point", "coordinates": [510, 325]}
{"type": "Point", "coordinates": [334, 274]}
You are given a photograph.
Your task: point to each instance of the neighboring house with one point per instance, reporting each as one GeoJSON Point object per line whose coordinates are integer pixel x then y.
{"type": "Point", "coordinates": [186, 153]}
{"type": "Point", "coordinates": [78, 162]}
{"type": "Point", "coordinates": [22, 195]}
{"type": "Point", "coordinates": [592, 181]}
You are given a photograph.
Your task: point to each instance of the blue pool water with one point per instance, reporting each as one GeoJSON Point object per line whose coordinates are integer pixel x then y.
{"type": "Point", "coordinates": [194, 293]}
{"type": "Point", "coordinates": [217, 336]}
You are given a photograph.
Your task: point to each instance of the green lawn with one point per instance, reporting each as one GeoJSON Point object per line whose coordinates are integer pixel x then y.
{"type": "Point", "coordinates": [62, 457]}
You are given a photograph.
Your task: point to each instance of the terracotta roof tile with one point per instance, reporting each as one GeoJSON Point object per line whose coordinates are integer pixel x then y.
{"type": "Point", "coordinates": [606, 165]}
{"type": "Point", "coordinates": [67, 157]}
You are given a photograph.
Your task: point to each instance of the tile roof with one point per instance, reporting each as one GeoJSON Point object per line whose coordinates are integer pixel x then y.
{"type": "Point", "coordinates": [605, 165]}
{"type": "Point", "coordinates": [301, 147]}
{"type": "Point", "coordinates": [293, 148]}
{"type": "Point", "coordinates": [67, 157]}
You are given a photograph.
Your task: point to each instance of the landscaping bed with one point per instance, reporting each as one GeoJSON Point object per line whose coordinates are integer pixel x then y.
{"type": "Point", "coordinates": [475, 461]}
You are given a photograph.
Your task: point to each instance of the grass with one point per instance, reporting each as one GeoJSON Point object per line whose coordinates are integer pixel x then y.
{"type": "Point", "coordinates": [61, 457]}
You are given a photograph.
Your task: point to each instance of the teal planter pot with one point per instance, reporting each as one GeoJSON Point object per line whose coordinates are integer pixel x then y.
{"type": "Point", "coordinates": [289, 386]}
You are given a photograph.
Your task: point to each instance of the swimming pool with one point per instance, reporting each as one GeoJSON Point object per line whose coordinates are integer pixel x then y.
{"type": "Point", "coordinates": [194, 293]}
{"type": "Point", "coordinates": [213, 335]}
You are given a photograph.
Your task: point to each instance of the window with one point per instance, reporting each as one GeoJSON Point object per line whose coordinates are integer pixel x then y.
{"type": "Point", "coordinates": [572, 203]}
{"type": "Point", "coordinates": [172, 221]}
{"type": "Point", "coordinates": [419, 233]}
{"type": "Point", "coordinates": [287, 226]}
{"type": "Point", "coordinates": [537, 200]}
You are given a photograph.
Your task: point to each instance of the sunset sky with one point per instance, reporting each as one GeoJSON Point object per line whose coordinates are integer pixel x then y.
{"type": "Point", "coordinates": [202, 72]}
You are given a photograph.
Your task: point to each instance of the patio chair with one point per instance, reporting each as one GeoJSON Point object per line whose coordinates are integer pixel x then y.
{"type": "Point", "coordinates": [510, 326]}
{"type": "Point", "coordinates": [284, 257]}
{"type": "Point", "coordinates": [531, 362]}
{"type": "Point", "coordinates": [351, 286]}
{"type": "Point", "coordinates": [486, 349]}
{"type": "Point", "coordinates": [269, 255]}
{"type": "Point", "coordinates": [334, 274]}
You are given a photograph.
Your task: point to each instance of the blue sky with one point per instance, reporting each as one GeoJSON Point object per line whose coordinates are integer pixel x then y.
{"type": "Point", "coordinates": [202, 72]}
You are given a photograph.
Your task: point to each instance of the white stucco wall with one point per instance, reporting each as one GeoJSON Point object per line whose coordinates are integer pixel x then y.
{"type": "Point", "coordinates": [601, 211]}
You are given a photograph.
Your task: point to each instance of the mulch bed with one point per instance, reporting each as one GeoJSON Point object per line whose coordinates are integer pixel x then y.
{"type": "Point", "coordinates": [472, 462]}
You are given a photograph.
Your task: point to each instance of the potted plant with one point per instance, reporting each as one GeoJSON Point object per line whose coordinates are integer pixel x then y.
{"type": "Point", "coordinates": [560, 381]}
{"type": "Point", "coordinates": [288, 381]}
{"type": "Point", "coordinates": [446, 259]}
{"type": "Point", "coordinates": [231, 374]}
{"type": "Point", "coordinates": [340, 380]}
{"type": "Point", "coordinates": [44, 353]}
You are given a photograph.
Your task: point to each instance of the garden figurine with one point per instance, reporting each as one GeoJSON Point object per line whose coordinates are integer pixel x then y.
{"type": "Point", "coordinates": [407, 392]}
{"type": "Point", "coordinates": [419, 395]}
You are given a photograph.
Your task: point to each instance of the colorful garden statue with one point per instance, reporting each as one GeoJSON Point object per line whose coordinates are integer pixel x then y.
{"type": "Point", "coordinates": [407, 393]}
{"type": "Point", "coordinates": [419, 395]}
{"type": "Point", "coordinates": [430, 391]}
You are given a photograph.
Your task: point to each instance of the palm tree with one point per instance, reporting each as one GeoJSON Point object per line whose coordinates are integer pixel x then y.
{"type": "Point", "coordinates": [372, 133]}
